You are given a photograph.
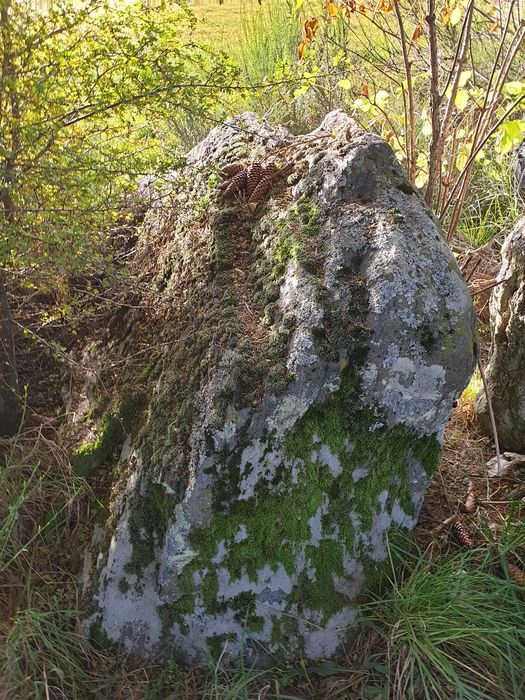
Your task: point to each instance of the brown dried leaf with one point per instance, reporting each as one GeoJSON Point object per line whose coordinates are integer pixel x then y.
{"type": "Point", "coordinates": [470, 501]}
{"type": "Point", "coordinates": [418, 31]}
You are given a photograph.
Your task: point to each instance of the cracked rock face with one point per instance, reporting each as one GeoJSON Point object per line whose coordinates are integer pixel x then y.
{"type": "Point", "coordinates": [506, 370]}
{"type": "Point", "coordinates": [312, 349]}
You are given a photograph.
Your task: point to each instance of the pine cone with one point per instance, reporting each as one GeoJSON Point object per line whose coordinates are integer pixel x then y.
{"type": "Point", "coordinates": [284, 171]}
{"type": "Point", "coordinates": [261, 189]}
{"type": "Point", "coordinates": [516, 574]}
{"type": "Point", "coordinates": [236, 186]}
{"type": "Point", "coordinates": [232, 169]}
{"type": "Point", "coordinates": [254, 176]}
{"type": "Point", "coordinates": [462, 534]}
{"type": "Point", "coordinates": [270, 169]}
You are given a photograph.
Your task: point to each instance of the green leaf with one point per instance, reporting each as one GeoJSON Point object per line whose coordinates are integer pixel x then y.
{"type": "Point", "coordinates": [511, 133]}
{"type": "Point", "coordinates": [515, 88]}
{"type": "Point", "coordinates": [345, 84]}
{"type": "Point", "coordinates": [301, 91]}
{"type": "Point", "coordinates": [328, 668]}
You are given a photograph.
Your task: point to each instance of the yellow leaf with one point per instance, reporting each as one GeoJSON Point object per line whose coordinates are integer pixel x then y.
{"type": "Point", "coordinates": [494, 27]}
{"type": "Point", "coordinates": [455, 15]}
{"type": "Point", "coordinates": [345, 84]}
{"type": "Point", "coordinates": [298, 5]}
{"type": "Point", "coordinates": [332, 9]}
{"type": "Point", "coordinates": [427, 128]}
{"type": "Point", "coordinates": [381, 98]}
{"type": "Point", "coordinates": [421, 179]}
{"type": "Point", "coordinates": [461, 100]}
{"type": "Point", "coordinates": [480, 156]}
{"type": "Point", "coordinates": [363, 105]}
{"type": "Point", "coordinates": [464, 78]}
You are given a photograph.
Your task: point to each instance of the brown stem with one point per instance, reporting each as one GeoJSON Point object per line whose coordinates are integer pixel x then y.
{"type": "Point", "coordinates": [491, 415]}
{"type": "Point", "coordinates": [411, 145]}
{"type": "Point", "coordinates": [465, 176]}
{"type": "Point", "coordinates": [436, 156]}
{"type": "Point", "coordinates": [434, 165]}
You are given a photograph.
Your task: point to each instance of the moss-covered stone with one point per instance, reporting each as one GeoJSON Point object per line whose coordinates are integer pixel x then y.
{"type": "Point", "coordinates": [290, 419]}
{"type": "Point", "coordinates": [112, 430]}
{"type": "Point", "coordinates": [277, 521]}
{"type": "Point", "coordinates": [150, 510]}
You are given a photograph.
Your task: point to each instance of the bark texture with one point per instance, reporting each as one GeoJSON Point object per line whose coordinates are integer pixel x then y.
{"type": "Point", "coordinates": [506, 370]}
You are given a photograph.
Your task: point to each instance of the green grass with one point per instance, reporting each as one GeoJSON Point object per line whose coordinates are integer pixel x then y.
{"type": "Point", "coordinates": [219, 24]}
{"type": "Point", "coordinates": [454, 627]}
{"type": "Point", "coordinates": [491, 207]}
{"type": "Point", "coordinates": [270, 34]}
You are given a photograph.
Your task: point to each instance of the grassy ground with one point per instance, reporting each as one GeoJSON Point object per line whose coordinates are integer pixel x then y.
{"type": "Point", "coordinates": [220, 23]}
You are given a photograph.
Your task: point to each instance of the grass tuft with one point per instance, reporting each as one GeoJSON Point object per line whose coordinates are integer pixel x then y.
{"type": "Point", "coordinates": [453, 628]}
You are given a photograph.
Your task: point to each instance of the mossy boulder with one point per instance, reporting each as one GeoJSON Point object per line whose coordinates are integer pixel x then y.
{"type": "Point", "coordinates": [312, 347]}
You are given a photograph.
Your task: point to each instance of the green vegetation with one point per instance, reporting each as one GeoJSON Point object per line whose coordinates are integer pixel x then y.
{"type": "Point", "coordinates": [453, 626]}
{"type": "Point", "coordinates": [277, 523]}
{"type": "Point", "coordinates": [151, 508]}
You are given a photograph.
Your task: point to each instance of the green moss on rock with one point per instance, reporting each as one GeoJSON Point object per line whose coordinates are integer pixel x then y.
{"type": "Point", "coordinates": [112, 430]}
{"type": "Point", "coordinates": [277, 520]}
{"type": "Point", "coordinates": [150, 511]}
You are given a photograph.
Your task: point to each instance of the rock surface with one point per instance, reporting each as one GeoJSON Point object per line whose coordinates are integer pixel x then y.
{"type": "Point", "coordinates": [506, 370]}
{"type": "Point", "coordinates": [305, 356]}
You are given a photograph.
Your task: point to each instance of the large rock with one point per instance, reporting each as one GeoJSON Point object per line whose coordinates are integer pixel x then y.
{"type": "Point", "coordinates": [506, 370]}
{"type": "Point", "coordinates": [311, 351]}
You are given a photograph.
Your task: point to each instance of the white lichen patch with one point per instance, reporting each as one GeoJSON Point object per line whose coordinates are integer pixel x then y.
{"type": "Point", "coordinates": [323, 643]}
{"type": "Point", "coordinates": [331, 460]}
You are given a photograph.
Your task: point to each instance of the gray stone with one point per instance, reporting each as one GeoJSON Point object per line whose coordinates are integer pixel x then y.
{"type": "Point", "coordinates": [505, 372]}
{"type": "Point", "coordinates": [310, 354]}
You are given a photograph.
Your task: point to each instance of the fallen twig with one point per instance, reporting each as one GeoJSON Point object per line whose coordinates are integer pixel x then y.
{"type": "Point", "coordinates": [491, 414]}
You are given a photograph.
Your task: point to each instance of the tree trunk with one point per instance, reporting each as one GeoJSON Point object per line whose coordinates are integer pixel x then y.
{"type": "Point", "coordinates": [10, 405]}
{"type": "Point", "coordinates": [506, 369]}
